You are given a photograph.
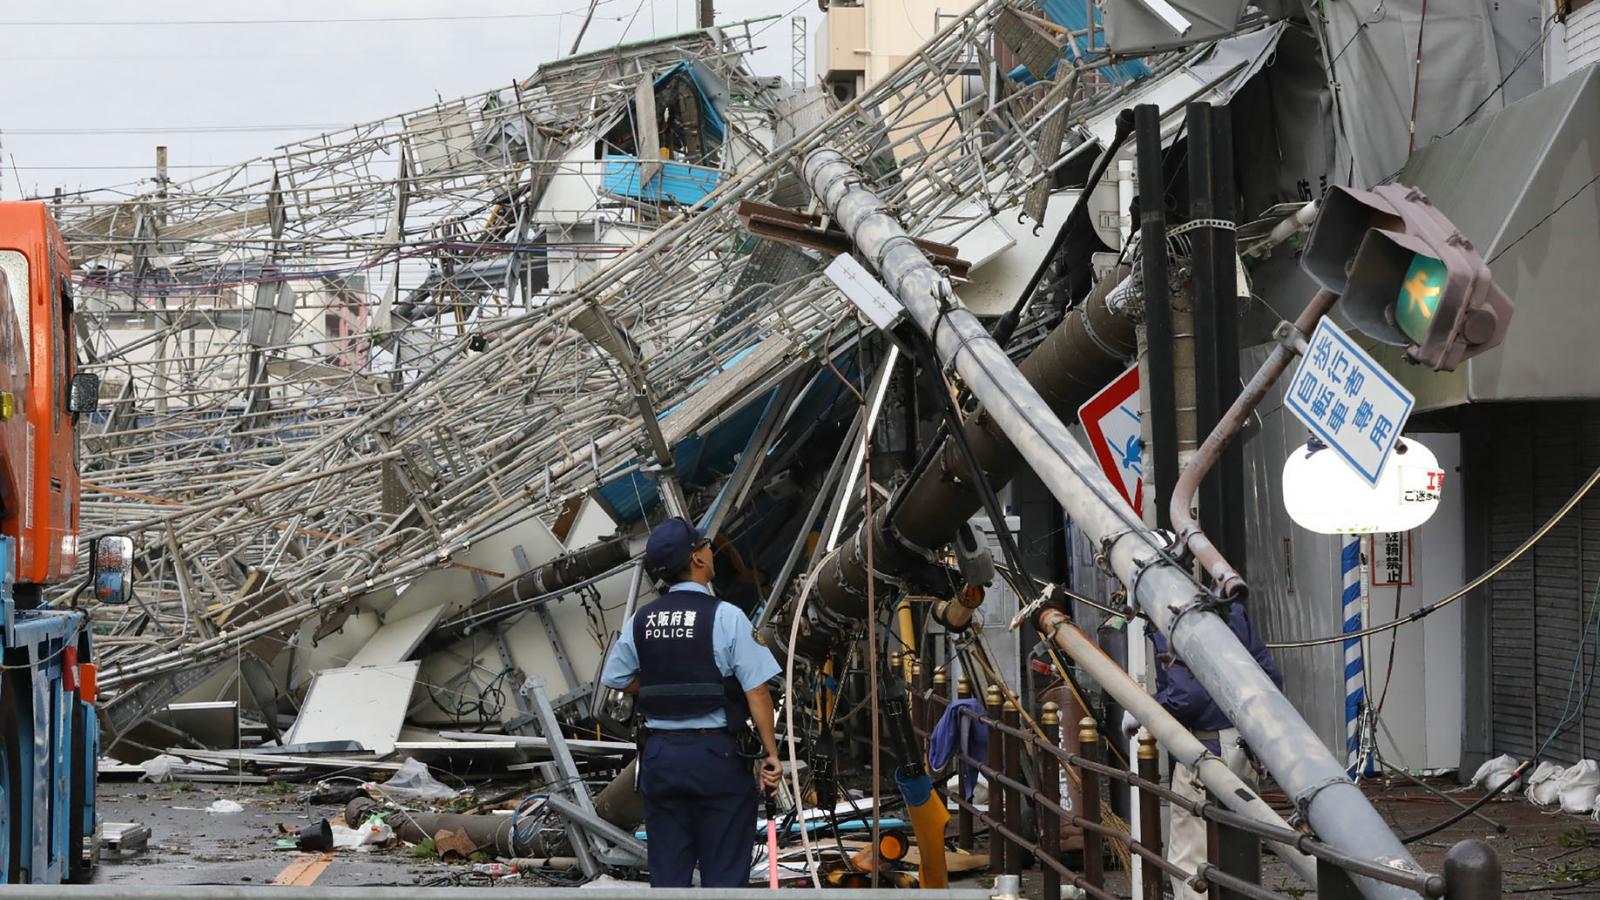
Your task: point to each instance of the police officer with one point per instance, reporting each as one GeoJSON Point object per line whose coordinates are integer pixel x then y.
{"type": "Point", "coordinates": [1182, 695]}
{"type": "Point", "coordinates": [693, 662]}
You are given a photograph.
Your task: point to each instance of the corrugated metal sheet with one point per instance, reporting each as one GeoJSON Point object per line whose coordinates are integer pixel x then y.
{"type": "Point", "coordinates": [1511, 595]}
{"type": "Point", "coordinates": [1540, 613]}
{"type": "Point", "coordinates": [1588, 516]}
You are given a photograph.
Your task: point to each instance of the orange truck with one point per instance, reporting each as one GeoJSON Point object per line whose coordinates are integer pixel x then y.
{"type": "Point", "coordinates": [48, 735]}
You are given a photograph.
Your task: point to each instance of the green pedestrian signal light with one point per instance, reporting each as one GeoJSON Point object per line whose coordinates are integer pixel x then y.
{"type": "Point", "coordinates": [1406, 276]}
{"type": "Point", "coordinates": [1419, 297]}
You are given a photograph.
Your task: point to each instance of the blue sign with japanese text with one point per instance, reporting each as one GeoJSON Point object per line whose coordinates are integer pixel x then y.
{"type": "Point", "coordinates": [1348, 401]}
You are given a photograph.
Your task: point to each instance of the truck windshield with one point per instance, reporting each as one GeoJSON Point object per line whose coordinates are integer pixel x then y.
{"type": "Point", "coordinates": [14, 266]}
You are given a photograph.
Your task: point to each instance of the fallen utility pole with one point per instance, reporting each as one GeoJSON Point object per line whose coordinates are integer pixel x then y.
{"type": "Point", "coordinates": [1184, 746]}
{"type": "Point", "coordinates": [1160, 585]}
{"type": "Point", "coordinates": [1086, 350]}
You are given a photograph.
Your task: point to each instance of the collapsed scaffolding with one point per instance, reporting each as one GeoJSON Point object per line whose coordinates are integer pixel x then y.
{"type": "Point", "coordinates": [384, 397]}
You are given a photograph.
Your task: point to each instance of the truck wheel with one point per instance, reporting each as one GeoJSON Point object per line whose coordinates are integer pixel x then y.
{"type": "Point", "coordinates": [10, 798]}
{"type": "Point", "coordinates": [81, 854]}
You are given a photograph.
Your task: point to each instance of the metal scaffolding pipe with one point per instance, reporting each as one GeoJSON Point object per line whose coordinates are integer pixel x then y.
{"type": "Point", "coordinates": [1162, 587]}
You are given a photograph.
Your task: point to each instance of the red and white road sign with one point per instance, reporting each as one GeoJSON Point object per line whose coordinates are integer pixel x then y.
{"type": "Point", "coordinates": [1110, 419]}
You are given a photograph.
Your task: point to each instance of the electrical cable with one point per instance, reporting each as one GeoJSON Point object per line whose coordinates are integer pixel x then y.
{"type": "Point", "coordinates": [1547, 217]}
{"type": "Point", "coordinates": [42, 23]}
{"type": "Point", "coordinates": [1482, 579]}
{"type": "Point", "coordinates": [1388, 671]}
{"type": "Point", "coordinates": [1569, 717]}
{"type": "Point", "coordinates": [1488, 575]}
{"type": "Point", "coordinates": [788, 724]}
{"type": "Point", "coordinates": [1522, 59]}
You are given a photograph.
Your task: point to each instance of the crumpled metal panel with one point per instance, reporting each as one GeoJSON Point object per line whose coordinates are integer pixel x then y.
{"type": "Point", "coordinates": [1133, 28]}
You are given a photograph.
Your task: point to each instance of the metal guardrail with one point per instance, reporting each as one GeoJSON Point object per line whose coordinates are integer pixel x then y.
{"type": "Point", "coordinates": [1235, 840]}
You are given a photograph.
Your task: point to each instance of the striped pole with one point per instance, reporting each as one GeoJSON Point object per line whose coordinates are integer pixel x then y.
{"type": "Point", "coordinates": [1354, 677]}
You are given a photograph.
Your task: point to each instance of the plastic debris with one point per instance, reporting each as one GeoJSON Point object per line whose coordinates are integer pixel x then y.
{"type": "Point", "coordinates": [413, 782]}
{"type": "Point", "coordinates": [1491, 773]}
{"type": "Point", "coordinates": [165, 767]}
{"type": "Point", "coordinates": [1543, 789]}
{"type": "Point", "coordinates": [1578, 787]}
{"type": "Point", "coordinates": [374, 832]}
{"type": "Point", "coordinates": [317, 836]}
{"type": "Point", "coordinates": [224, 806]}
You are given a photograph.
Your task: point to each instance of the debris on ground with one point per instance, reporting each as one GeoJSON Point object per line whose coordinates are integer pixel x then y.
{"type": "Point", "coordinates": [123, 839]}
{"type": "Point", "coordinates": [413, 782]}
{"type": "Point", "coordinates": [373, 832]}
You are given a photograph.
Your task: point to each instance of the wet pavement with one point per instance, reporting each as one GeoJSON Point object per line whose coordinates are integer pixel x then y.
{"type": "Point", "coordinates": [1545, 854]}
{"type": "Point", "coordinates": [189, 845]}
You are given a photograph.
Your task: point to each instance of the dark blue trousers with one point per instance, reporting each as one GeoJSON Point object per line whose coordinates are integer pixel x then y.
{"type": "Point", "coordinates": [699, 808]}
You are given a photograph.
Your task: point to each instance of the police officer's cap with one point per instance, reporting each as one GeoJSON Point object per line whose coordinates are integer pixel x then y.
{"type": "Point", "coordinates": [670, 545]}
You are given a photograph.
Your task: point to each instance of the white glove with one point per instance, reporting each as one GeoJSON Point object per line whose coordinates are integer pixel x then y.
{"type": "Point", "coordinates": [1130, 725]}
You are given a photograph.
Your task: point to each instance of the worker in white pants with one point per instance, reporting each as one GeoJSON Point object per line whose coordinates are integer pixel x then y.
{"type": "Point", "coordinates": [1186, 835]}
{"type": "Point", "coordinates": [1180, 694]}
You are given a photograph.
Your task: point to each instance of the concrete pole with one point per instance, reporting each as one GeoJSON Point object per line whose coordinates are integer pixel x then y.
{"type": "Point", "coordinates": [1162, 587]}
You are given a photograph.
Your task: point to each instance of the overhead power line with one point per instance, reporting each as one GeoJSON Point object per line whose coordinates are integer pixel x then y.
{"type": "Point", "coordinates": [100, 168]}
{"type": "Point", "coordinates": [177, 129]}
{"type": "Point", "coordinates": [60, 23]}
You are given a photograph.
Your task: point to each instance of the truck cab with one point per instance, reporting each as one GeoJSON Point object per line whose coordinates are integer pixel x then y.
{"type": "Point", "coordinates": [48, 733]}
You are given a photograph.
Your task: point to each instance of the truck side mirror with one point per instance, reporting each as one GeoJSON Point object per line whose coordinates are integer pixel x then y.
{"type": "Point", "coordinates": [111, 569]}
{"type": "Point", "coordinates": [85, 396]}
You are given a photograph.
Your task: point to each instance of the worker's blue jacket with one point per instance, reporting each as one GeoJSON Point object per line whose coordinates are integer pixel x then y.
{"type": "Point", "coordinates": [1181, 694]}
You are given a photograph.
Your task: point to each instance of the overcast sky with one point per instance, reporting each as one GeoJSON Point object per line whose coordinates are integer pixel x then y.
{"type": "Point", "coordinates": [92, 87]}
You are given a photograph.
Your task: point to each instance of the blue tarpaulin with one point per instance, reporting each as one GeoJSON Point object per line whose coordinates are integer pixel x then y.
{"type": "Point", "coordinates": [675, 181]}
{"type": "Point", "coordinates": [1074, 16]}
{"type": "Point", "coordinates": [710, 119]}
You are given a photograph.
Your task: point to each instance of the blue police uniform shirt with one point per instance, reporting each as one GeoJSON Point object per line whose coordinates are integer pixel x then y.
{"type": "Point", "coordinates": [733, 643]}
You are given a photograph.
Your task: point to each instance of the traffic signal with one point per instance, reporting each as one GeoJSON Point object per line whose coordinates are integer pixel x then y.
{"type": "Point", "coordinates": [1406, 275]}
